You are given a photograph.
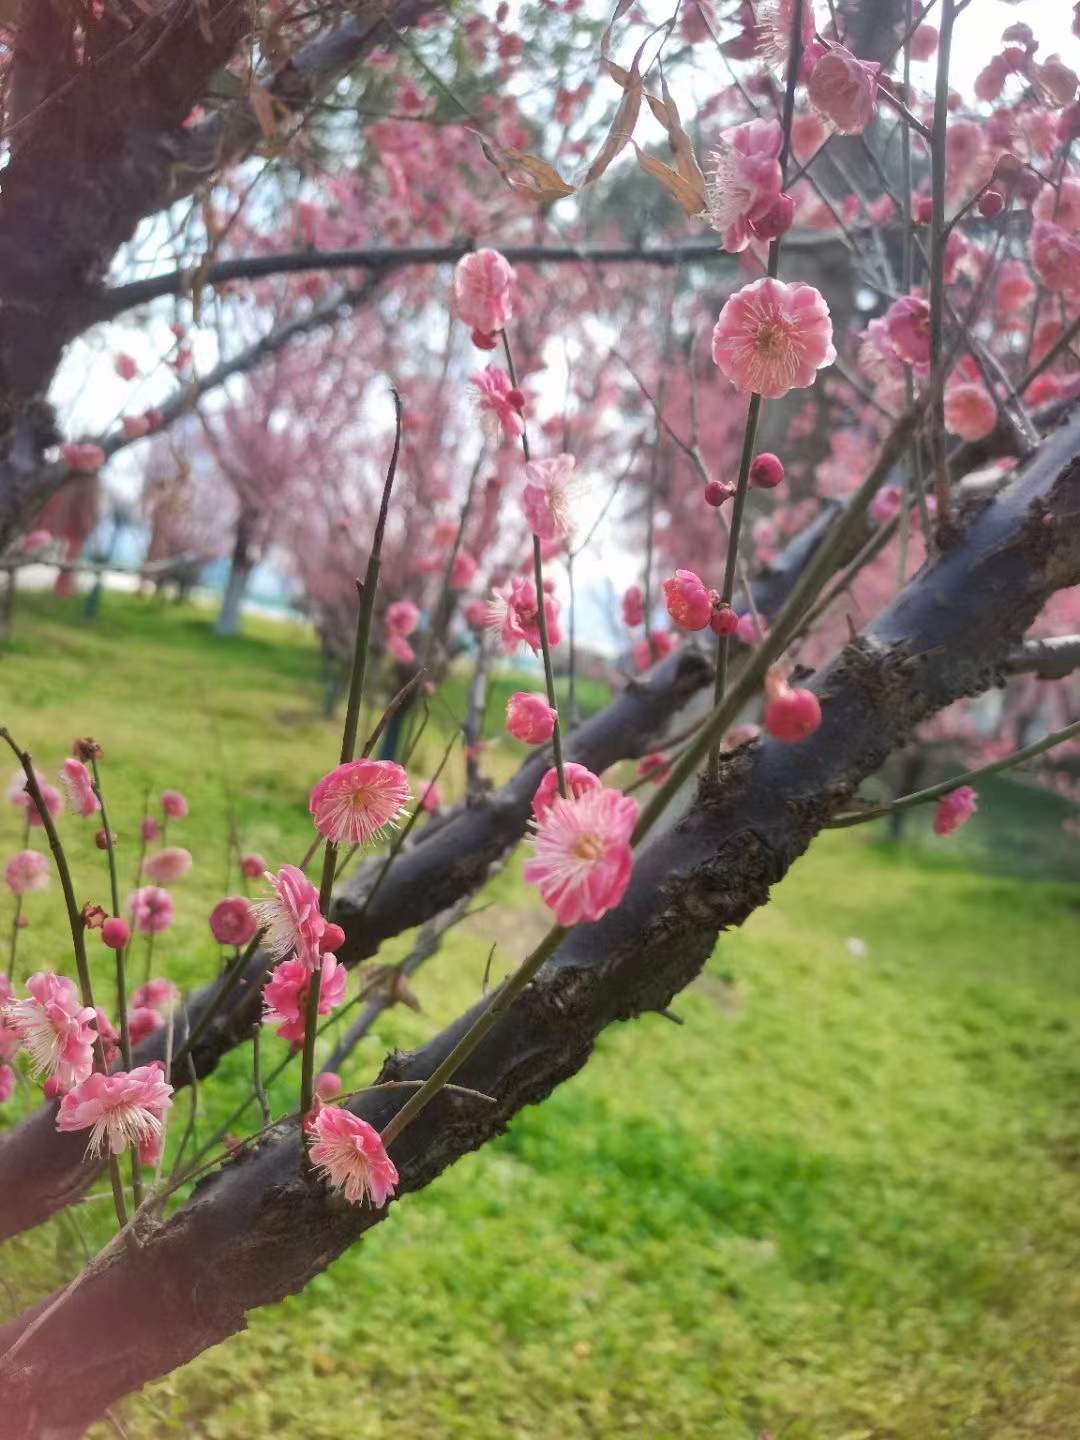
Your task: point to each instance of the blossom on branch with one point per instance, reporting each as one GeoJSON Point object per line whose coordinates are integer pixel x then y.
{"type": "Point", "coordinates": [54, 1029]}
{"type": "Point", "coordinates": [581, 853]}
{"type": "Point", "coordinates": [356, 801]}
{"type": "Point", "coordinates": [285, 995]}
{"type": "Point", "coordinates": [772, 337]}
{"type": "Point", "coordinates": [350, 1156]}
{"type": "Point", "coordinates": [122, 1109]}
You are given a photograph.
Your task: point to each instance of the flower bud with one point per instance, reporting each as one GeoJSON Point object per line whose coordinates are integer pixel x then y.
{"type": "Point", "coordinates": [766, 472]}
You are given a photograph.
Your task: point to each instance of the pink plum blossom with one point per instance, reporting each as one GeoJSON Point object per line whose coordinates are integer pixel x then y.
{"type": "Point", "coordinates": [156, 994]}
{"type": "Point", "coordinates": [513, 613]}
{"type": "Point", "coordinates": [152, 909]}
{"type": "Point", "coordinates": [79, 788]}
{"type": "Point", "coordinates": [907, 324]}
{"type": "Point", "coordinates": [463, 570]}
{"type": "Point", "coordinates": [499, 403]}
{"type": "Point", "coordinates": [578, 780]}
{"type": "Point", "coordinates": [356, 801]}
{"type": "Point", "coordinates": [548, 497]}
{"type": "Point", "coordinates": [400, 649]}
{"type": "Point", "coordinates": [174, 805]}
{"type": "Point", "coordinates": [1055, 254]}
{"type": "Point", "coordinates": [843, 89]}
{"type": "Point", "coordinates": [430, 796]}
{"type": "Point", "coordinates": [744, 179]}
{"type": "Point", "coordinates": [9, 1036]}
{"type": "Point", "coordinates": [1013, 288]}
{"type": "Point", "coordinates": [233, 921]}
{"type": "Point", "coordinates": [775, 21]}
{"type": "Point", "coordinates": [955, 809]}
{"type": "Point", "coordinates": [26, 870]}
{"type": "Point", "coordinates": [125, 366]}
{"type": "Point", "coordinates": [970, 411]}
{"type": "Point", "coordinates": [167, 866]}
{"type": "Point", "coordinates": [143, 1020]}
{"type": "Point", "coordinates": [653, 767]}
{"type": "Point", "coordinates": [292, 918]}
{"type": "Point", "coordinates": [54, 1029]}
{"type": "Point", "coordinates": [402, 618]}
{"type": "Point", "coordinates": [285, 995]}
{"type": "Point", "coordinates": [123, 1109]}
{"type": "Point", "coordinates": [350, 1156]}
{"type": "Point", "coordinates": [482, 284]}
{"type": "Point", "coordinates": [530, 718]}
{"type": "Point", "coordinates": [581, 854]}
{"type": "Point", "coordinates": [772, 337]}
{"type": "Point", "coordinates": [688, 602]}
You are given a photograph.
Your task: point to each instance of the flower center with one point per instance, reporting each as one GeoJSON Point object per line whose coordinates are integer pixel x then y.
{"type": "Point", "coordinates": [589, 847]}
{"type": "Point", "coordinates": [361, 800]}
{"type": "Point", "coordinates": [771, 339]}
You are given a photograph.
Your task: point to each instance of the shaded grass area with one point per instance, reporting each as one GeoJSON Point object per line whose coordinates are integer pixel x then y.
{"type": "Point", "coordinates": [841, 1200]}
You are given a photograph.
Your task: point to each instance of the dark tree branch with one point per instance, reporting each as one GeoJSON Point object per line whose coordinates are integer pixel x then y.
{"type": "Point", "coordinates": [1050, 659]}
{"type": "Point", "coordinates": [384, 260]}
{"type": "Point", "coordinates": [248, 359]}
{"type": "Point", "coordinates": [260, 1229]}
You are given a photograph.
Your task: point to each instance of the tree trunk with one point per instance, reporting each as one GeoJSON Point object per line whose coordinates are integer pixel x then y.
{"type": "Point", "coordinates": [240, 568]}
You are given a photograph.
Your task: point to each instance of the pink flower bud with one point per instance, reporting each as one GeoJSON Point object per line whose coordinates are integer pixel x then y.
{"type": "Point", "coordinates": [149, 829]}
{"type": "Point", "coordinates": [717, 491]}
{"type": "Point", "coordinates": [253, 866]}
{"type": "Point", "coordinates": [955, 809]}
{"type": "Point", "coordinates": [327, 1085]}
{"type": "Point", "coordinates": [723, 620]}
{"type": "Point", "coordinates": [791, 714]}
{"type": "Point", "coordinates": [633, 606]}
{"type": "Point", "coordinates": [530, 718]}
{"type": "Point", "coordinates": [843, 88]}
{"type": "Point", "coordinates": [766, 472]}
{"type": "Point", "coordinates": [233, 921]}
{"type": "Point", "coordinates": [333, 937]}
{"type": "Point", "coordinates": [483, 341]}
{"type": "Point", "coordinates": [923, 210]}
{"type": "Point", "coordinates": [115, 933]}
{"type": "Point", "coordinates": [991, 203]}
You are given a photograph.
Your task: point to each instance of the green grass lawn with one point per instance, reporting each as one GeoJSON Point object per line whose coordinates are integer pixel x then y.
{"type": "Point", "coordinates": [842, 1200]}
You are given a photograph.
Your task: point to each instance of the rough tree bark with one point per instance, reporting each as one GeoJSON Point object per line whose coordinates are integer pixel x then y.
{"type": "Point", "coordinates": [259, 1229]}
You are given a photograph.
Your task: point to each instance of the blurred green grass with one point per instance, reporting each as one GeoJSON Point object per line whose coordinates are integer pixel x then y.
{"type": "Point", "coordinates": [841, 1200]}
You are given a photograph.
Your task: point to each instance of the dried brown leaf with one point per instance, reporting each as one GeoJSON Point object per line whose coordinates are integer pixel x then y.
{"type": "Point", "coordinates": [681, 189]}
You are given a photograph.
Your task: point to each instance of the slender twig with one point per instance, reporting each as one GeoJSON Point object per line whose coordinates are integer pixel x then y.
{"type": "Point", "coordinates": [364, 616]}
{"type": "Point", "coordinates": [541, 613]}
{"type": "Point", "coordinates": [121, 976]}
{"type": "Point", "coordinates": [934, 792]}
{"type": "Point", "coordinates": [938, 238]}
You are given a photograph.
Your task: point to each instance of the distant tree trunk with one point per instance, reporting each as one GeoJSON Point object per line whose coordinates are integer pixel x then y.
{"type": "Point", "coordinates": [240, 568]}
